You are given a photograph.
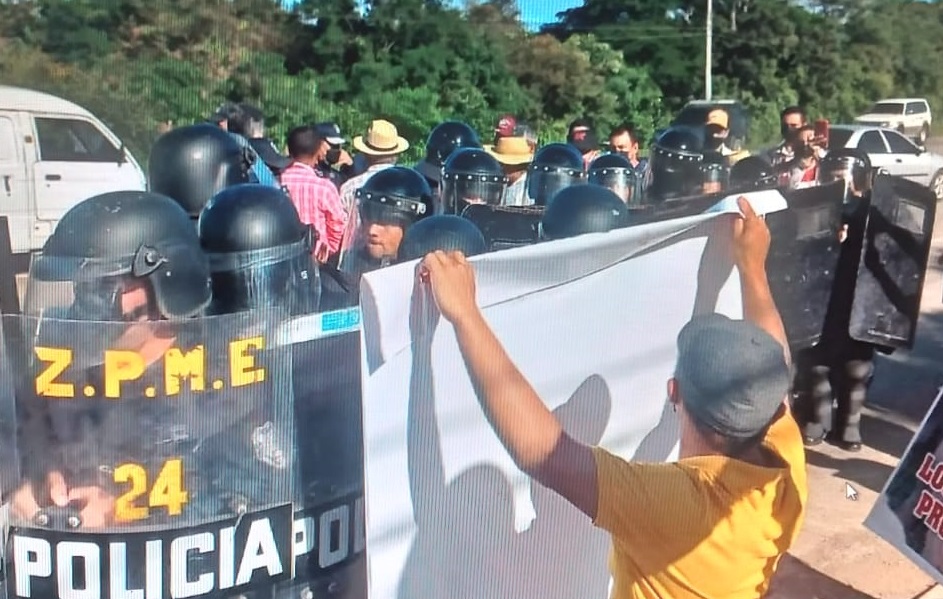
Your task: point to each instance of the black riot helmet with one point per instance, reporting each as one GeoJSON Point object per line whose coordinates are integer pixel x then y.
{"type": "Point", "coordinates": [116, 242]}
{"type": "Point", "coordinates": [581, 209]}
{"type": "Point", "coordinates": [259, 251]}
{"type": "Point", "coordinates": [752, 173]}
{"type": "Point", "coordinates": [397, 195]}
{"type": "Point", "coordinates": [445, 232]}
{"type": "Point", "coordinates": [615, 172]}
{"type": "Point", "coordinates": [191, 164]}
{"type": "Point", "coordinates": [471, 176]}
{"type": "Point", "coordinates": [554, 167]}
{"type": "Point", "coordinates": [674, 164]}
{"type": "Point", "coordinates": [715, 173]}
{"type": "Point", "coordinates": [850, 165]}
{"type": "Point", "coordinates": [444, 139]}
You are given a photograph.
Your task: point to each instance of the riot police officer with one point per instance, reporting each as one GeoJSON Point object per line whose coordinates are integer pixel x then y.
{"type": "Point", "coordinates": [445, 232]}
{"type": "Point", "coordinates": [715, 172]}
{"type": "Point", "coordinates": [444, 139]}
{"type": "Point", "coordinates": [554, 167]}
{"type": "Point", "coordinates": [674, 165]}
{"type": "Point", "coordinates": [389, 203]}
{"type": "Point", "coordinates": [259, 252]}
{"type": "Point", "coordinates": [191, 164]}
{"type": "Point", "coordinates": [260, 256]}
{"type": "Point", "coordinates": [126, 257]}
{"type": "Point", "coordinates": [581, 209]}
{"type": "Point", "coordinates": [851, 166]}
{"type": "Point", "coordinates": [471, 176]}
{"type": "Point", "coordinates": [615, 172]}
{"type": "Point", "coordinates": [751, 174]}
{"type": "Point", "coordinates": [839, 367]}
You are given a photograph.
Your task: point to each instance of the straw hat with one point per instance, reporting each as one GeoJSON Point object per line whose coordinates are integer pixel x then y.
{"type": "Point", "coordinates": [382, 139]}
{"type": "Point", "coordinates": [511, 151]}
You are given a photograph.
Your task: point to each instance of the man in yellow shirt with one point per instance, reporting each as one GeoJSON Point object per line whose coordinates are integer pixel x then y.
{"type": "Point", "coordinates": [715, 523]}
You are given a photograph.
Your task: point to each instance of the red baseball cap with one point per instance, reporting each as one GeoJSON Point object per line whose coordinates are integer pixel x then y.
{"type": "Point", "coordinates": [507, 124]}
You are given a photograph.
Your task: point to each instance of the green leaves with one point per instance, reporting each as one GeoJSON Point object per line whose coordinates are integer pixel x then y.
{"type": "Point", "coordinates": [139, 63]}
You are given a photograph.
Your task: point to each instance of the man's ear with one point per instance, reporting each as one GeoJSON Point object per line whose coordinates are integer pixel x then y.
{"type": "Point", "coordinates": [673, 395]}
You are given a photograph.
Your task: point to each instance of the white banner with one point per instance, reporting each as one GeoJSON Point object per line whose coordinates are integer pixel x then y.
{"type": "Point", "coordinates": [909, 511]}
{"type": "Point", "coordinates": [592, 323]}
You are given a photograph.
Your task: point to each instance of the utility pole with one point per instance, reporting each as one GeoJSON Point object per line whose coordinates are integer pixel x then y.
{"type": "Point", "coordinates": [707, 51]}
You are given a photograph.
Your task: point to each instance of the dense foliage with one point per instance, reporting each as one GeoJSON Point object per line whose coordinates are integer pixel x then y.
{"type": "Point", "coordinates": [140, 63]}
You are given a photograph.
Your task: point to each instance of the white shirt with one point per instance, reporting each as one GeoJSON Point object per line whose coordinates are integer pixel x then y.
{"type": "Point", "coordinates": [350, 187]}
{"type": "Point", "coordinates": [515, 194]}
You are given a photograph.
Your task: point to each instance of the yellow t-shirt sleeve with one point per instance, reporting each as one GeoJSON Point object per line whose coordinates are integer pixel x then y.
{"type": "Point", "coordinates": [785, 439]}
{"type": "Point", "coordinates": [638, 500]}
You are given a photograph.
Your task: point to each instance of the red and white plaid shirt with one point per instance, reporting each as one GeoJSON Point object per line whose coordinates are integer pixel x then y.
{"type": "Point", "coordinates": [317, 202]}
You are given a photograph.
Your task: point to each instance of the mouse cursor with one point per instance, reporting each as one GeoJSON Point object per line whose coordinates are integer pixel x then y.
{"type": "Point", "coordinates": [850, 492]}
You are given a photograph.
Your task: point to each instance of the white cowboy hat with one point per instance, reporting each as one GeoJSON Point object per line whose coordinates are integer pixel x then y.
{"type": "Point", "coordinates": [512, 151]}
{"type": "Point", "coordinates": [382, 139]}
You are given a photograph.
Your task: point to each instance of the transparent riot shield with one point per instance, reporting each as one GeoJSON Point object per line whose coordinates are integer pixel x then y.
{"type": "Point", "coordinates": [156, 458]}
{"type": "Point", "coordinates": [506, 226]}
{"type": "Point", "coordinates": [330, 558]}
{"type": "Point", "coordinates": [893, 263]}
{"type": "Point", "coordinates": [9, 461]}
{"type": "Point", "coordinates": [803, 259]}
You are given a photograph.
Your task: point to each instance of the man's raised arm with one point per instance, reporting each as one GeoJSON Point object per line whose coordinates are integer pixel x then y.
{"type": "Point", "coordinates": [527, 428]}
{"type": "Point", "coordinates": [751, 239]}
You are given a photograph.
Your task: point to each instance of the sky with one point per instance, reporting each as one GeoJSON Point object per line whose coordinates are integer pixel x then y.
{"type": "Point", "coordinates": [538, 12]}
{"type": "Point", "coordinates": [534, 13]}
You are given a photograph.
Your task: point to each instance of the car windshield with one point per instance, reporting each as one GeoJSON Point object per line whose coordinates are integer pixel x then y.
{"type": "Point", "coordinates": [838, 138]}
{"type": "Point", "coordinates": [692, 115]}
{"type": "Point", "coordinates": [887, 108]}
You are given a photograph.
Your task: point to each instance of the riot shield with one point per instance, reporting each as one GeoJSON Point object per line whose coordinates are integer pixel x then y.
{"type": "Point", "coordinates": [803, 259]}
{"type": "Point", "coordinates": [893, 263]}
{"type": "Point", "coordinates": [9, 461]}
{"type": "Point", "coordinates": [155, 458]}
{"type": "Point", "coordinates": [673, 208]}
{"type": "Point", "coordinates": [506, 226]}
{"type": "Point", "coordinates": [330, 557]}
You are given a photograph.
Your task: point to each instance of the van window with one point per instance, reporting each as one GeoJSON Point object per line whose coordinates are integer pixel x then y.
{"type": "Point", "coordinates": [915, 108]}
{"type": "Point", "coordinates": [8, 143]}
{"type": "Point", "coordinates": [72, 140]}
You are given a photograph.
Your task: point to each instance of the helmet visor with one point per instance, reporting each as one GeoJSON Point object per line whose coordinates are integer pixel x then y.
{"type": "Point", "coordinates": [461, 190]}
{"type": "Point", "coordinates": [72, 288]}
{"type": "Point", "coordinates": [284, 276]}
{"type": "Point", "coordinates": [173, 278]}
{"type": "Point", "coordinates": [623, 182]}
{"type": "Point", "coordinates": [544, 182]}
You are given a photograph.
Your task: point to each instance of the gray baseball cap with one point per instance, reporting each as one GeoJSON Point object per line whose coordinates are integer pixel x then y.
{"type": "Point", "coordinates": [732, 375]}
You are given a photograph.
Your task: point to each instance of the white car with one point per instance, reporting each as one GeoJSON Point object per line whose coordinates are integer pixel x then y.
{"type": "Point", "coordinates": [892, 152]}
{"type": "Point", "coordinates": [908, 116]}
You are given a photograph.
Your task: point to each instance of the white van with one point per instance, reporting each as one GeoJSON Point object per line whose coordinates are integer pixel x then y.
{"type": "Point", "coordinates": [53, 155]}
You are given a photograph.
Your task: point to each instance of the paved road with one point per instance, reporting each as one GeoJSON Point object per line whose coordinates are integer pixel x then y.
{"type": "Point", "coordinates": [835, 557]}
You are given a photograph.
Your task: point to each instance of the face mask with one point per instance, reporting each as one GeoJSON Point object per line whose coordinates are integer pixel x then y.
{"type": "Point", "coordinates": [333, 155]}
{"type": "Point", "coordinates": [806, 151]}
{"type": "Point", "coordinates": [784, 130]}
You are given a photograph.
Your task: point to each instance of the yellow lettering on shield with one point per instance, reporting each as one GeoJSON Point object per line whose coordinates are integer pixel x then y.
{"type": "Point", "coordinates": [242, 365]}
{"type": "Point", "coordinates": [179, 365]}
{"type": "Point", "coordinates": [46, 385]}
{"type": "Point", "coordinates": [121, 366]}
